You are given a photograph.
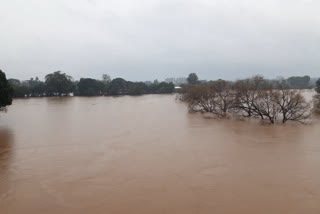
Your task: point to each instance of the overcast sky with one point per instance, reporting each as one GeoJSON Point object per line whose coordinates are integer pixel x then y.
{"type": "Point", "coordinates": [155, 39]}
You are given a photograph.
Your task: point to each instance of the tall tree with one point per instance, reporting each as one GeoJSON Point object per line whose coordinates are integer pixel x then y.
{"type": "Point", "coordinates": [6, 92]}
{"type": "Point", "coordinates": [58, 84]}
{"type": "Point", "coordinates": [118, 86]}
{"type": "Point", "coordinates": [192, 78]}
{"type": "Point", "coordinates": [106, 78]}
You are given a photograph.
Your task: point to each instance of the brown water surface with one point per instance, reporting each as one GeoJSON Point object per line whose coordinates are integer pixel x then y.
{"type": "Point", "coordinates": [147, 154]}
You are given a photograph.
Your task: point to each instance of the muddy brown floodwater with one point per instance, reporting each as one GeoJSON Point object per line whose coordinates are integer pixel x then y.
{"type": "Point", "coordinates": [147, 154]}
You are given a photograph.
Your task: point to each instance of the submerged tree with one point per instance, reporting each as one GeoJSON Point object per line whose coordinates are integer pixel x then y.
{"type": "Point", "coordinates": [247, 93]}
{"type": "Point", "coordinates": [265, 107]}
{"type": "Point", "coordinates": [253, 97]}
{"type": "Point", "coordinates": [118, 86]}
{"type": "Point", "coordinates": [200, 98]}
{"type": "Point", "coordinates": [215, 97]}
{"type": "Point", "coordinates": [38, 89]}
{"type": "Point", "coordinates": [58, 83]}
{"type": "Point", "coordinates": [89, 87]}
{"type": "Point", "coordinates": [137, 88]}
{"type": "Point", "coordinates": [224, 97]}
{"type": "Point", "coordinates": [316, 98]}
{"type": "Point", "coordinates": [6, 92]}
{"type": "Point", "coordinates": [292, 104]}
{"type": "Point", "coordinates": [316, 103]}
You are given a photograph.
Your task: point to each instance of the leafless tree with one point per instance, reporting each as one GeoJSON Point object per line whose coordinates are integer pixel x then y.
{"type": "Point", "coordinates": [224, 97]}
{"type": "Point", "coordinates": [293, 105]}
{"type": "Point", "coordinates": [254, 97]}
{"type": "Point", "coordinates": [316, 103]}
{"type": "Point", "coordinates": [200, 98]}
{"type": "Point", "coordinates": [264, 105]}
{"type": "Point", "coordinates": [214, 97]}
{"type": "Point", "coordinates": [247, 93]}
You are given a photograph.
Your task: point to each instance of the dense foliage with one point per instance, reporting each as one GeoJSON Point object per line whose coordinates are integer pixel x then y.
{"type": "Point", "coordinates": [120, 86]}
{"type": "Point", "coordinates": [192, 79]}
{"type": "Point", "coordinates": [89, 87]}
{"type": "Point", "coordinates": [299, 82]}
{"type": "Point", "coordinates": [6, 92]}
{"type": "Point", "coordinates": [60, 84]}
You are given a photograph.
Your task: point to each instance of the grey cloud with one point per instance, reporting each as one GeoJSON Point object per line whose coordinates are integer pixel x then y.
{"type": "Point", "coordinates": [142, 40]}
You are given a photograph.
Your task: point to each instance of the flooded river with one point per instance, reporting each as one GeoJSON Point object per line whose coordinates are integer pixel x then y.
{"type": "Point", "coordinates": [148, 155]}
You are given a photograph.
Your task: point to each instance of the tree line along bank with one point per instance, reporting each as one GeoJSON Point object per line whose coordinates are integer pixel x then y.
{"type": "Point", "coordinates": [60, 84]}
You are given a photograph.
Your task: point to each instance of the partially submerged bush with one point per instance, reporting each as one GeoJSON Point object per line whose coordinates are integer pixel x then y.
{"type": "Point", "coordinates": [253, 97]}
{"type": "Point", "coordinates": [213, 97]}
{"type": "Point", "coordinates": [316, 103]}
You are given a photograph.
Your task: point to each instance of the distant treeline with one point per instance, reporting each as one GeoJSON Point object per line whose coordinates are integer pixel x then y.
{"type": "Point", "coordinates": [299, 82]}
{"type": "Point", "coordinates": [60, 84]}
{"type": "Point", "coordinates": [294, 82]}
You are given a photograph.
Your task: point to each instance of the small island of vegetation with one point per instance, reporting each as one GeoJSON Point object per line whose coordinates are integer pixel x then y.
{"type": "Point", "coordinates": [254, 97]}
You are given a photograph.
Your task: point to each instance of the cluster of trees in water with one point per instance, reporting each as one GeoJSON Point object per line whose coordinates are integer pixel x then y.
{"type": "Point", "coordinates": [253, 97]}
{"type": "Point", "coordinates": [60, 84]}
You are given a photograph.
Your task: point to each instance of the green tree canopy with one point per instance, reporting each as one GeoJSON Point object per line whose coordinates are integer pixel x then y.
{"type": "Point", "coordinates": [89, 87]}
{"type": "Point", "coordinates": [137, 88]}
{"type": "Point", "coordinates": [14, 81]}
{"type": "Point", "coordinates": [58, 84]}
{"type": "Point", "coordinates": [38, 89]}
{"type": "Point", "coordinates": [165, 88]}
{"type": "Point", "coordinates": [192, 79]}
{"type": "Point", "coordinates": [6, 91]}
{"type": "Point", "coordinates": [118, 86]}
{"type": "Point", "coordinates": [299, 82]}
